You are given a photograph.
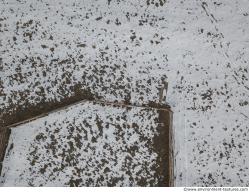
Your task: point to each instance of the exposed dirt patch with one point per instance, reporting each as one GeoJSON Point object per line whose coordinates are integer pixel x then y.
{"type": "Point", "coordinates": [163, 145]}
{"type": "Point", "coordinates": [4, 138]}
{"type": "Point", "coordinates": [20, 113]}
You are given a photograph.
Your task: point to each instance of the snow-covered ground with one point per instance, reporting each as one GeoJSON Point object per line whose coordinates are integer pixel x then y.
{"type": "Point", "coordinates": [89, 144]}
{"type": "Point", "coordinates": [122, 50]}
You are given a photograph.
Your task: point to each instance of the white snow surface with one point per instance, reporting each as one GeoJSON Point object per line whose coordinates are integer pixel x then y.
{"type": "Point", "coordinates": [85, 145]}
{"type": "Point", "coordinates": [201, 46]}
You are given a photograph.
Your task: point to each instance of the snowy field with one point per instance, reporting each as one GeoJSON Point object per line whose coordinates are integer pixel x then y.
{"type": "Point", "coordinates": [90, 144]}
{"type": "Point", "coordinates": [123, 50]}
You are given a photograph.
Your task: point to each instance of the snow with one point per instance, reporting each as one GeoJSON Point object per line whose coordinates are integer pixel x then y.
{"type": "Point", "coordinates": [87, 144]}
{"type": "Point", "coordinates": [201, 46]}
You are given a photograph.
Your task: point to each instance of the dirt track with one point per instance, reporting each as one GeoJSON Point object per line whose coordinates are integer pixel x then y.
{"type": "Point", "coordinates": [4, 137]}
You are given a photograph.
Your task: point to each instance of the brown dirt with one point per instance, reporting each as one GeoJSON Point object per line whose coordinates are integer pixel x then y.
{"type": "Point", "coordinates": [163, 144]}
{"type": "Point", "coordinates": [22, 113]}
{"type": "Point", "coordinates": [4, 138]}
